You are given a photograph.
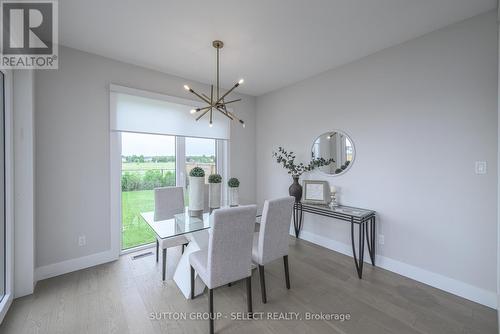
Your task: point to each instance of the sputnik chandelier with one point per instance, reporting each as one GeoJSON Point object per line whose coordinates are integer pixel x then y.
{"type": "Point", "coordinates": [215, 101]}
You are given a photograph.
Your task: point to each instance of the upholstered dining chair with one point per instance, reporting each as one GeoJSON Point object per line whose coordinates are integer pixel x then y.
{"type": "Point", "coordinates": [271, 242]}
{"type": "Point", "coordinates": [169, 201]}
{"type": "Point", "coordinates": [229, 254]}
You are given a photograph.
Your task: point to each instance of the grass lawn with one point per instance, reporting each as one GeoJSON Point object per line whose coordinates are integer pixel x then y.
{"type": "Point", "coordinates": [135, 231]}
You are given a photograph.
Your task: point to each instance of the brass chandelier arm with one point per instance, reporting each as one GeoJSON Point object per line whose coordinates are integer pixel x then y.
{"type": "Point", "coordinates": [199, 96]}
{"type": "Point", "coordinates": [225, 114]}
{"type": "Point", "coordinates": [201, 109]}
{"type": "Point", "coordinates": [227, 93]}
{"type": "Point", "coordinates": [203, 113]}
{"type": "Point", "coordinates": [232, 101]}
{"type": "Point", "coordinates": [233, 115]}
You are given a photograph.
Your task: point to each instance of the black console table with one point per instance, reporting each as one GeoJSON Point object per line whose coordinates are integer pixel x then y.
{"type": "Point", "coordinates": [365, 219]}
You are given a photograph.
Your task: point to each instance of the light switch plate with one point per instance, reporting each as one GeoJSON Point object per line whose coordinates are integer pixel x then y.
{"type": "Point", "coordinates": [481, 167]}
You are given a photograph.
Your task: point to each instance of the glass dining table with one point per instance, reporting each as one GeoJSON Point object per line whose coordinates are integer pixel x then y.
{"type": "Point", "coordinates": [195, 229]}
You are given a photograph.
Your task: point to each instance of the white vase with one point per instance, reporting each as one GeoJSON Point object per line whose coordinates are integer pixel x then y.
{"type": "Point", "coordinates": [196, 195]}
{"type": "Point", "coordinates": [214, 195]}
{"type": "Point", "coordinates": [234, 196]}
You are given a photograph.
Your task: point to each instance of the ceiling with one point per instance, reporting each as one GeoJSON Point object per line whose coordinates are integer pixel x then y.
{"type": "Point", "coordinates": [270, 43]}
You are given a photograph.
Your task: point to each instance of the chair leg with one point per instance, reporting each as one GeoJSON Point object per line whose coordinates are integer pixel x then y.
{"type": "Point", "coordinates": [287, 273]}
{"type": "Point", "coordinates": [192, 283]}
{"type": "Point", "coordinates": [183, 246]}
{"type": "Point", "coordinates": [262, 284]}
{"type": "Point", "coordinates": [157, 249]}
{"type": "Point", "coordinates": [211, 309]}
{"type": "Point", "coordinates": [249, 296]}
{"type": "Point", "coordinates": [164, 269]}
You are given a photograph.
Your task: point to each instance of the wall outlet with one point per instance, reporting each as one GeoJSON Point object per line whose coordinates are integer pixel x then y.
{"type": "Point", "coordinates": [381, 239]}
{"type": "Point", "coordinates": [481, 167]}
{"type": "Point", "coordinates": [82, 241]}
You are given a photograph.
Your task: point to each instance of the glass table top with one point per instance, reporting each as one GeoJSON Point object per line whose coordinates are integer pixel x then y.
{"type": "Point", "coordinates": [179, 225]}
{"type": "Point", "coordinates": [342, 209]}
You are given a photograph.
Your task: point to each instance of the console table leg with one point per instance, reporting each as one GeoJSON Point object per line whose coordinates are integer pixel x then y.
{"type": "Point", "coordinates": [370, 238]}
{"type": "Point", "coordinates": [361, 248]}
{"type": "Point", "coordinates": [358, 261]}
{"type": "Point", "coordinates": [374, 238]}
{"type": "Point", "coordinates": [297, 219]}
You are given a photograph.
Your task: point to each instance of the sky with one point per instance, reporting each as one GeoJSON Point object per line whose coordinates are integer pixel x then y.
{"type": "Point", "coordinates": [156, 145]}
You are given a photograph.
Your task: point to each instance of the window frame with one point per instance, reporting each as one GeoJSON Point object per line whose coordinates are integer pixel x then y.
{"type": "Point", "coordinates": [9, 194]}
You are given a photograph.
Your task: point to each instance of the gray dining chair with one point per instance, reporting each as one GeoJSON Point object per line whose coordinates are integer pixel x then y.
{"type": "Point", "coordinates": [229, 254]}
{"type": "Point", "coordinates": [271, 242]}
{"type": "Point", "coordinates": [169, 201]}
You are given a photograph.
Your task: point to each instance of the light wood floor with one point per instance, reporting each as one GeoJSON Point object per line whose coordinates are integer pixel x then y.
{"type": "Point", "coordinates": [119, 298]}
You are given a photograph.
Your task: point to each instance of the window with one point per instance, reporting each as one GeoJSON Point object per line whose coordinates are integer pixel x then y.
{"type": "Point", "coordinates": [200, 152]}
{"type": "Point", "coordinates": [148, 162]}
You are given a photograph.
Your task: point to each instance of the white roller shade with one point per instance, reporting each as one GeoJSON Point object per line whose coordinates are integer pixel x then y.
{"type": "Point", "coordinates": [134, 110]}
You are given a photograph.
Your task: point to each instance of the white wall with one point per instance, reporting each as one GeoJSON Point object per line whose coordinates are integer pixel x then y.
{"type": "Point", "coordinates": [420, 114]}
{"type": "Point", "coordinates": [73, 160]}
{"type": "Point", "coordinates": [24, 227]}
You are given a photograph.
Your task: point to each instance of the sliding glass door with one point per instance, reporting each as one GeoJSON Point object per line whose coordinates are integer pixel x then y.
{"type": "Point", "coordinates": [2, 189]}
{"type": "Point", "coordinates": [152, 161]}
{"type": "Point", "coordinates": [148, 162]}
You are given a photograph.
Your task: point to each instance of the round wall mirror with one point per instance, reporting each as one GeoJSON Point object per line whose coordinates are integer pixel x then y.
{"type": "Point", "coordinates": [334, 145]}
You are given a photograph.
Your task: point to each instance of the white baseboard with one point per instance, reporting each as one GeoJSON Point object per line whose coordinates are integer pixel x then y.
{"type": "Point", "coordinates": [68, 266]}
{"type": "Point", "coordinates": [459, 288]}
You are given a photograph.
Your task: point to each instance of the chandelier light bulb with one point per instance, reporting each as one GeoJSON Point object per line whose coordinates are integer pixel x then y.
{"type": "Point", "coordinates": [192, 111]}
{"type": "Point", "coordinates": [186, 87]}
{"type": "Point", "coordinates": [241, 81]}
{"type": "Point", "coordinates": [210, 124]}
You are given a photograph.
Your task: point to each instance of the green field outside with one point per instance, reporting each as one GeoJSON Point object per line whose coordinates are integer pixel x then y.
{"type": "Point", "coordinates": [127, 166]}
{"type": "Point", "coordinates": [135, 231]}
{"type": "Point", "coordinates": [138, 195]}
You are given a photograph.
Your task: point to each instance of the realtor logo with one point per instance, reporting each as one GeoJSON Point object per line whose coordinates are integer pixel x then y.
{"type": "Point", "coordinates": [29, 37]}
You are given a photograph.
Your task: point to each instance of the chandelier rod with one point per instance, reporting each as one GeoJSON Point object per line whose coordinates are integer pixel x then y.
{"type": "Point", "coordinates": [217, 73]}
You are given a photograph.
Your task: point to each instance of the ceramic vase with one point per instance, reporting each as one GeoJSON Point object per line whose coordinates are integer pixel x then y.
{"type": "Point", "coordinates": [234, 196]}
{"type": "Point", "coordinates": [214, 195]}
{"type": "Point", "coordinates": [295, 189]}
{"type": "Point", "coordinates": [196, 196]}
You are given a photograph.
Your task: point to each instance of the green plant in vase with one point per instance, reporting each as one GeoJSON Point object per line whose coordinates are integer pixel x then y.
{"type": "Point", "coordinates": [234, 196]}
{"type": "Point", "coordinates": [287, 160]}
{"type": "Point", "coordinates": [196, 191]}
{"type": "Point", "coordinates": [214, 191]}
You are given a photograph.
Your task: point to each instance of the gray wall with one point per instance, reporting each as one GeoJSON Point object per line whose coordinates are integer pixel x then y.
{"type": "Point", "coordinates": [72, 149]}
{"type": "Point", "coordinates": [420, 114]}
{"type": "Point", "coordinates": [24, 204]}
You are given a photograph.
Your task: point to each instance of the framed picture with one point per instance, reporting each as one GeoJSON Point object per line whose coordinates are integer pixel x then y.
{"type": "Point", "coordinates": [316, 192]}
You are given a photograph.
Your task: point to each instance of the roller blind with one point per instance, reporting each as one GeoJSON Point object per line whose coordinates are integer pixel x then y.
{"type": "Point", "coordinates": [135, 110]}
